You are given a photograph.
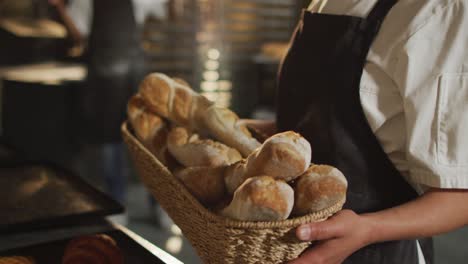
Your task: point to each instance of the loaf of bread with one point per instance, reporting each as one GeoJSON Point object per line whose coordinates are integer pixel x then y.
{"type": "Point", "coordinates": [282, 156]}
{"type": "Point", "coordinates": [95, 249]}
{"type": "Point", "coordinates": [204, 183]}
{"type": "Point", "coordinates": [173, 100]}
{"type": "Point", "coordinates": [190, 151]}
{"type": "Point", "coordinates": [150, 129]}
{"type": "Point", "coordinates": [17, 260]}
{"type": "Point", "coordinates": [224, 125]}
{"type": "Point", "coordinates": [261, 198]}
{"type": "Point", "coordinates": [320, 187]}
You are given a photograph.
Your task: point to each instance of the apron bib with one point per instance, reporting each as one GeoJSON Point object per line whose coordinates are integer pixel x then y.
{"type": "Point", "coordinates": [318, 97]}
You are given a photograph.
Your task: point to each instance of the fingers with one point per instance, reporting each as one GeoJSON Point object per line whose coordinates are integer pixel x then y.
{"type": "Point", "coordinates": [328, 229]}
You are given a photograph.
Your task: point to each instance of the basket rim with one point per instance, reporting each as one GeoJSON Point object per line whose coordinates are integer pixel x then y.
{"type": "Point", "coordinates": [231, 223]}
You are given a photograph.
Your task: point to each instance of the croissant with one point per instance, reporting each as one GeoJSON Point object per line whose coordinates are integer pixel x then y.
{"type": "Point", "coordinates": [94, 249]}
{"type": "Point", "coordinates": [17, 260]}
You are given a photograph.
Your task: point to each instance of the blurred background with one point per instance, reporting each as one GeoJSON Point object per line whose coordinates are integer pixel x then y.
{"type": "Point", "coordinates": [67, 66]}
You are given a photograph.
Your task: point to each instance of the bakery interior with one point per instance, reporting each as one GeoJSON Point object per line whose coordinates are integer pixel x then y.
{"type": "Point", "coordinates": [227, 50]}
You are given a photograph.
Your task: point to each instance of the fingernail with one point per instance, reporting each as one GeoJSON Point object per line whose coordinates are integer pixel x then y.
{"type": "Point", "coordinates": [304, 232]}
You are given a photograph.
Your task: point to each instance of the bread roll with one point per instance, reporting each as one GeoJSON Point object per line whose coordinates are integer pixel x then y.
{"type": "Point", "coordinates": [93, 249]}
{"type": "Point", "coordinates": [150, 129]}
{"type": "Point", "coordinates": [320, 187]}
{"type": "Point", "coordinates": [173, 100]}
{"type": "Point", "coordinates": [17, 260]}
{"type": "Point", "coordinates": [191, 151]}
{"type": "Point", "coordinates": [224, 125]}
{"type": "Point", "coordinates": [181, 82]}
{"type": "Point", "coordinates": [205, 183]}
{"type": "Point", "coordinates": [282, 156]}
{"type": "Point", "coordinates": [176, 102]}
{"type": "Point", "coordinates": [261, 198]}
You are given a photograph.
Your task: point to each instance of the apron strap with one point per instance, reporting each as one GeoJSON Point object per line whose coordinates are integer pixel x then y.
{"type": "Point", "coordinates": [371, 25]}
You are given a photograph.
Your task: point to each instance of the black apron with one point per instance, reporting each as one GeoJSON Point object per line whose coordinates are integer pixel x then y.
{"type": "Point", "coordinates": [319, 97]}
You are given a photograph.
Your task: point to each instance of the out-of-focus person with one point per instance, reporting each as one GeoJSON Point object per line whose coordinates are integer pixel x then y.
{"type": "Point", "coordinates": [106, 32]}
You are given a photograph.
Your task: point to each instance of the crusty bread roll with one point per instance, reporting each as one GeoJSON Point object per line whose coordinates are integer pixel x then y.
{"type": "Point", "coordinates": [205, 183]}
{"type": "Point", "coordinates": [191, 151]}
{"type": "Point", "coordinates": [150, 129]}
{"type": "Point", "coordinates": [181, 82]}
{"type": "Point", "coordinates": [17, 260]}
{"type": "Point", "coordinates": [282, 156]}
{"type": "Point", "coordinates": [261, 198]}
{"type": "Point", "coordinates": [173, 100]}
{"type": "Point", "coordinates": [320, 187]}
{"type": "Point", "coordinates": [224, 125]}
{"type": "Point", "coordinates": [93, 249]}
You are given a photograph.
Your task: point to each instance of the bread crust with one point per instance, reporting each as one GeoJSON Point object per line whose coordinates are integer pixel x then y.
{"type": "Point", "coordinates": [191, 151]}
{"type": "Point", "coordinates": [261, 198]}
{"type": "Point", "coordinates": [283, 156]}
{"type": "Point", "coordinates": [205, 183]}
{"type": "Point", "coordinates": [320, 187]}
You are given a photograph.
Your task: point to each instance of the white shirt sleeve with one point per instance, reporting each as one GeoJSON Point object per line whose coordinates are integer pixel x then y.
{"type": "Point", "coordinates": [432, 77]}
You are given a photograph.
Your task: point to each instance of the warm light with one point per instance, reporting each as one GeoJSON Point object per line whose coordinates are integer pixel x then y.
{"type": "Point", "coordinates": [224, 85]}
{"type": "Point", "coordinates": [212, 96]}
{"type": "Point", "coordinates": [212, 65]}
{"type": "Point", "coordinates": [213, 54]}
{"type": "Point", "coordinates": [209, 86]}
{"type": "Point", "coordinates": [174, 244]}
{"type": "Point", "coordinates": [176, 230]}
{"type": "Point", "coordinates": [211, 75]}
{"type": "Point", "coordinates": [225, 95]}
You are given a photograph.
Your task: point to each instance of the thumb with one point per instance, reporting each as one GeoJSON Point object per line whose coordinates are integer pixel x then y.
{"type": "Point", "coordinates": [327, 229]}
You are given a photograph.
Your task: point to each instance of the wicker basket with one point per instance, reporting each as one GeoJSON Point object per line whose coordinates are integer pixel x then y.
{"type": "Point", "coordinates": [215, 238]}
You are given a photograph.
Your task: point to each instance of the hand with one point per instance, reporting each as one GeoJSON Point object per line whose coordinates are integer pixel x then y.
{"type": "Point", "coordinates": [337, 238]}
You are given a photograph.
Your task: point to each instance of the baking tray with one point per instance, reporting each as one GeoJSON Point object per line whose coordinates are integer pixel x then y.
{"type": "Point", "coordinates": [52, 252]}
{"type": "Point", "coordinates": [38, 195]}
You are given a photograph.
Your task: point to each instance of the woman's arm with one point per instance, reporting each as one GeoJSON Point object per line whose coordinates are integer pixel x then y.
{"type": "Point", "coordinates": [72, 30]}
{"type": "Point", "coordinates": [437, 211]}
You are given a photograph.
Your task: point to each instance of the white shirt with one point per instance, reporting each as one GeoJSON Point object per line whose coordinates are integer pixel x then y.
{"type": "Point", "coordinates": [414, 87]}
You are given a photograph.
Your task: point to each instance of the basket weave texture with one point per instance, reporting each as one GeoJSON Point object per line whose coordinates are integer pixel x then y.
{"type": "Point", "coordinates": [215, 238]}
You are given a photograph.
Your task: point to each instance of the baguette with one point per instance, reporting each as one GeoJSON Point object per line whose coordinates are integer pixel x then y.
{"type": "Point", "coordinates": [175, 101]}
{"type": "Point", "coordinates": [150, 129]}
{"type": "Point", "coordinates": [282, 156]}
{"type": "Point", "coordinates": [224, 125]}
